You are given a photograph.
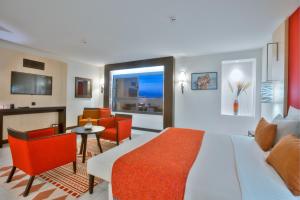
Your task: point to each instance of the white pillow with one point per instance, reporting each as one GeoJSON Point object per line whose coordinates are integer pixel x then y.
{"type": "Point", "coordinates": [293, 114]}
{"type": "Point", "coordinates": [285, 127]}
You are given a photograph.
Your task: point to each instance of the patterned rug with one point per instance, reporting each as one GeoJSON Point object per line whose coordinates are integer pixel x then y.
{"type": "Point", "coordinates": [58, 184]}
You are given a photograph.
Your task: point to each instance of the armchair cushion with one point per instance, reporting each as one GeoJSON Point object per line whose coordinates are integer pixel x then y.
{"type": "Point", "coordinates": [82, 122]}
{"type": "Point", "coordinates": [91, 113]}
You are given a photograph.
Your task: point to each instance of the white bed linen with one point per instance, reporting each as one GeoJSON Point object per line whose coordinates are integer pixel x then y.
{"type": "Point", "coordinates": [213, 174]}
{"type": "Point", "coordinates": [258, 180]}
{"type": "Point", "coordinates": [227, 167]}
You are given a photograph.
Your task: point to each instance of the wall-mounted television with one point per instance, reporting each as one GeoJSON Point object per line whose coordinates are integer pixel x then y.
{"type": "Point", "coordinates": [32, 84]}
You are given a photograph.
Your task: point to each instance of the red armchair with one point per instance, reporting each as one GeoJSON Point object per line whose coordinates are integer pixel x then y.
{"type": "Point", "coordinates": [117, 128]}
{"type": "Point", "coordinates": [35, 152]}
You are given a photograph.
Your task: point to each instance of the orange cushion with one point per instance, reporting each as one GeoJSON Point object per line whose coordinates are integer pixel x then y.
{"type": "Point", "coordinates": [83, 122]}
{"type": "Point", "coordinates": [285, 159]}
{"type": "Point", "coordinates": [93, 114]}
{"type": "Point", "coordinates": [265, 134]}
{"type": "Point", "coordinates": [104, 112]}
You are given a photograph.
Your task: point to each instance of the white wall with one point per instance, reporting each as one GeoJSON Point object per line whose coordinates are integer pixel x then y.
{"type": "Point", "coordinates": [202, 109]}
{"type": "Point", "coordinates": [65, 83]}
{"type": "Point", "coordinates": [277, 69]}
{"type": "Point", "coordinates": [75, 105]}
{"type": "Point", "coordinates": [146, 121]}
{"type": "Point", "coordinates": [12, 60]}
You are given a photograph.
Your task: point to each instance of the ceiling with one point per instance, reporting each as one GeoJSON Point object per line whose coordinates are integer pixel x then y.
{"type": "Point", "coordinates": [108, 31]}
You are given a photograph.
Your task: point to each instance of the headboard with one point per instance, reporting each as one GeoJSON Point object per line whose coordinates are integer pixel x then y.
{"type": "Point", "coordinates": [294, 60]}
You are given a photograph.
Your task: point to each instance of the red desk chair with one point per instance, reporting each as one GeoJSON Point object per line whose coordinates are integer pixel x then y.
{"type": "Point", "coordinates": [35, 152]}
{"type": "Point", "coordinates": [117, 128]}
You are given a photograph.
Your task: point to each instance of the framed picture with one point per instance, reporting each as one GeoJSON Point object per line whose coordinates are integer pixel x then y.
{"type": "Point", "coordinates": [83, 87]}
{"type": "Point", "coordinates": [204, 81]}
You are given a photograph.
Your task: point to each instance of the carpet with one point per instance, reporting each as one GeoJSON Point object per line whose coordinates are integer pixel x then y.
{"type": "Point", "coordinates": [57, 184]}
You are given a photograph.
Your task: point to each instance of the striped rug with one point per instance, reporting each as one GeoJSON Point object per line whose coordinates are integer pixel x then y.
{"type": "Point", "coordinates": [57, 184]}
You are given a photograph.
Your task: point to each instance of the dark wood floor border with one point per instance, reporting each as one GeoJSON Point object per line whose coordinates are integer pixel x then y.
{"type": "Point", "coordinates": [71, 127]}
{"type": "Point", "coordinates": [146, 129]}
{"type": "Point", "coordinates": [168, 63]}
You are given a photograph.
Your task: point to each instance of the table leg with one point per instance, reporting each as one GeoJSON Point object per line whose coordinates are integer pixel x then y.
{"type": "Point", "coordinates": [81, 145]}
{"type": "Point", "coordinates": [98, 142]}
{"type": "Point", "coordinates": [84, 148]}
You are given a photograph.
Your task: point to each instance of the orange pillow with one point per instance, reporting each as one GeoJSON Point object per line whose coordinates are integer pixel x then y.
{"type": "Point", "coordinates": [265, 134]}
{"type": "Point", "coordinates": [285, 159]}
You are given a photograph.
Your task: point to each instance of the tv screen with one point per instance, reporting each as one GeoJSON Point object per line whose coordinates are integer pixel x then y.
{"type": "Point", "coordinates": [24, 83]}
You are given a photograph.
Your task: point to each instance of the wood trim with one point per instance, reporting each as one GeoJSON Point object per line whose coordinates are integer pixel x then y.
{"type": "Point", "coordinates": [167, 62]}
{"type": "Point", "coordinates": [123, 116]}
{"type": "Point", "coordinates": [18, 111]}
{"type": "Point", "coordinates": [146, 129]}
{"type": "Point", "coordinates": [71, 127]}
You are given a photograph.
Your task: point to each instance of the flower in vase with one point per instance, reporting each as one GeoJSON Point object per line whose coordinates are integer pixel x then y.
{"type": "Point", "coordinates": [239, 88]}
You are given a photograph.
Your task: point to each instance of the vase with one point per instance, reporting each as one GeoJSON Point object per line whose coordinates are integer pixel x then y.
{"type": "Point", "coordinates": [236, 107]}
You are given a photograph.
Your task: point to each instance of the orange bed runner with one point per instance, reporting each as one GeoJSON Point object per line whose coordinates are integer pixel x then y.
{"type": "Point", "coordinates": [157, 169]}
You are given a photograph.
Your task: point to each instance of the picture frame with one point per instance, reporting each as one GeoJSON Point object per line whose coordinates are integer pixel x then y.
{"type": "Point", "coordinates": [83, 87]}
{"type": "Point", "coordinates": [204, 81]}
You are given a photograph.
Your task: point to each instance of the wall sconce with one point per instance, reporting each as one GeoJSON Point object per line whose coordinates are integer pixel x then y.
{"type": "Point", "coordinates": [102, 86]}
{"type": "Point", "coordinates": [182, 80]}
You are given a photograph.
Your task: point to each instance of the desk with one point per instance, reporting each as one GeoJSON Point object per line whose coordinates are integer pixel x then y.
{"type": "Point", "coordinates": [21, 111]}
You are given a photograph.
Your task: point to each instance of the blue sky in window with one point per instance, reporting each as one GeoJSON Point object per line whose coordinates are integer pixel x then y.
{"type": "Point", "coordinates": [151, 85]}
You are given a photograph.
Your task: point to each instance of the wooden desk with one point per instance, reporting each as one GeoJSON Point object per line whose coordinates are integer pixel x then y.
{"type": "Point", "coordinates": [20, 111]}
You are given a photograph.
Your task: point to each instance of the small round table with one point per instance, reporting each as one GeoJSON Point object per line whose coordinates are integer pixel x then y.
{"type": "Point", "coordinates": [84, 135]}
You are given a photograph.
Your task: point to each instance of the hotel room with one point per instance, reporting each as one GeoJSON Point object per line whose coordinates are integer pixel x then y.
{"type": "Point", "coordinates": [150, 100]}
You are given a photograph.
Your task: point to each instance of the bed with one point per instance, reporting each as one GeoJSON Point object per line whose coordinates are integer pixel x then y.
{"type": "Point", "coordinates": [228, 167]}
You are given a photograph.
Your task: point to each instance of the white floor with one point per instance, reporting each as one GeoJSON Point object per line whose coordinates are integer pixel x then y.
{"type": "Point", "coordinates": [100, 191]}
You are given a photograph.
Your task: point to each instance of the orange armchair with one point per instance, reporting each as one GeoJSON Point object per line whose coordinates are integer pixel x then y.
{"type": "Point", "coordinates": [94, 114]}
{"type": "Point", "coordinates": [35, 152]}
{"type": "Point", "coordinates": [117, 128]}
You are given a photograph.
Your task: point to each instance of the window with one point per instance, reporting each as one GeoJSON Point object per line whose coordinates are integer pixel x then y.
{"type": "Point", "coordinates": [137, 91]}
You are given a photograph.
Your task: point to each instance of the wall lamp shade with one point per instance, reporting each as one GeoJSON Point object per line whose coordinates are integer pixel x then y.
{"type": "Point", "coordinates": [182, 80]}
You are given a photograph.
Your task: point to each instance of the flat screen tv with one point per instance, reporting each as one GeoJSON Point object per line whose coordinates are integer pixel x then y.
{"type": "Point", "coordinates": [32, 84]}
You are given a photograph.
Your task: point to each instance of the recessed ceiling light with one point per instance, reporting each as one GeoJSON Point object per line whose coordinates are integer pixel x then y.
{"type": "Point", "coordinates": [172, 19]}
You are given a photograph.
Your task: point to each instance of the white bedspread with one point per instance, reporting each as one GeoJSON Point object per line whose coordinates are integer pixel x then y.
{"type": "Point", "coordinates": [258, 180]}
{"type": "Point", "coordinates": [213, 175]}
{"type": "Point", "coordinates": [226, 168]}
